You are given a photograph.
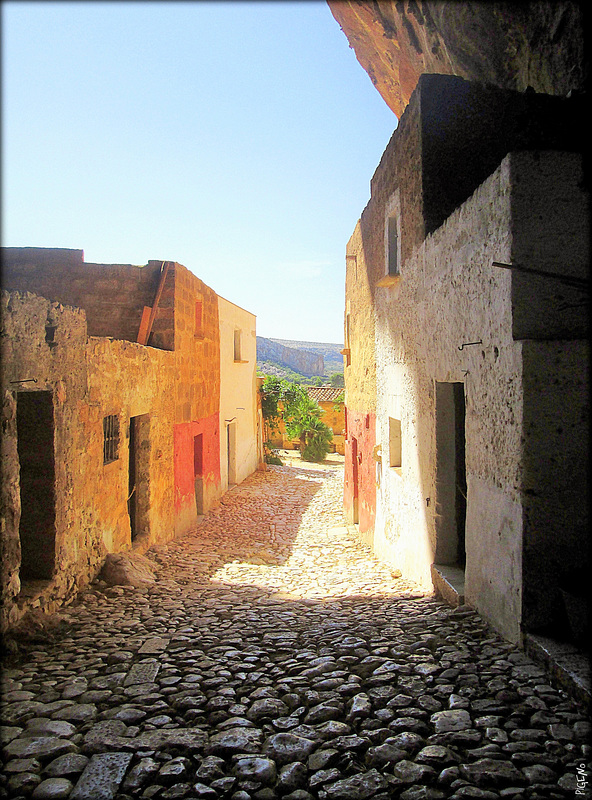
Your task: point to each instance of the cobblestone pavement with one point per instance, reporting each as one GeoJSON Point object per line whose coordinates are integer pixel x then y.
{"type": "Point", "coordinates": [274, 657]}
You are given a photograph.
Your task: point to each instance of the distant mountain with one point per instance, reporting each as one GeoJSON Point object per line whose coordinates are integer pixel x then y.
{"type": "Point", "coordinates": [282, 356]}
{"type": "Point", "coordinates": [331, 353]}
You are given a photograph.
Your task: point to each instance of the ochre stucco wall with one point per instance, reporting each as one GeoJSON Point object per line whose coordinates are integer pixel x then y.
{"type": "Point", "coordinates": [238, 392]}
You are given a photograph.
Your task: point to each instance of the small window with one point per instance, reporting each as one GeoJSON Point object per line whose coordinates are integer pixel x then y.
{"type": "Point", "coordinates": [110, 438]}
{"type": "Point", "coordinates": [391, 272]}
{"type": "Point", "coordinates": [392, 265]}
{"type": "Point", "coordinates": [199, 317]}
{"type": "Point", "coordinates": [237, 345]}
{"type": "Point", "coordinates": [394, 443]}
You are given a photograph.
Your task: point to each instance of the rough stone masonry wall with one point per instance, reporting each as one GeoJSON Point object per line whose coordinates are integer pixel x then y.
{"type": "Point", "coordinates": [556, 479]}
{"type": "Point", "coordinates": [449, 295]}
{"type": "Point", "coordinates": [88, 379]}
{"type": "Point", "coordinates": [552, 237]}
{"type": "Point", "coordinates": [112, 295]}
{"type": "Point", "coordinates": [58, 367]}
{"type": "Point", "coordinates": [197, 394]}
{"type": "Point", "coordinates": [129, 380]}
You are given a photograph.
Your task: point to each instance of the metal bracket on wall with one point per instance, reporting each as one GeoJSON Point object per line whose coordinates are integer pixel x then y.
{"type": "Point", "coordinates": [26, 380]}
{"type": "Point", "coordinates": [468, 344]}
{"type": "Point", "coordinates": [571, 280]}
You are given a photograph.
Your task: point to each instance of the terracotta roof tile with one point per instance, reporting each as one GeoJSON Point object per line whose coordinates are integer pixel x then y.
{"type": "Point", "coordinates": [324, 394]}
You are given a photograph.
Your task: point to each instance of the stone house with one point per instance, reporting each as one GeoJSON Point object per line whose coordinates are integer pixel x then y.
{"type": "Point", "coordinates": [111, 386]}
{"type": "Point", "coordinates": [330, 400]}
{"type": "Point", "coordinates": [466, 353]}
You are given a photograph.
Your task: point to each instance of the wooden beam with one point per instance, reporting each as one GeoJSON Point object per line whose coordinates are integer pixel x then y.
{"type": "Point", "coordinates": [149, 314]}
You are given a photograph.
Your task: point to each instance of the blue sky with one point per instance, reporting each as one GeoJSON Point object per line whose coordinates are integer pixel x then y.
{"type": "Point", "coordinates": [237, 138]}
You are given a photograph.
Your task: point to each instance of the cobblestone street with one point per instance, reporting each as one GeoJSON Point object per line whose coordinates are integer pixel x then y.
{"type": "Point", "coordinates": [275, 657]}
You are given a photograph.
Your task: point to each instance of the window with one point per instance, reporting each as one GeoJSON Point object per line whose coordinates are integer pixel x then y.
{"type": "Point", "coordinates": [110, 438]}
{"type": "Point", "coordinates": [394, 443]}
{"type": "Point", "coordinates": [199, 318]}
{"type": "Point", "coordinates": [237, 345]}
{"type": "Point", "coordinates": [392, 258]}
{"type": "Point", "coordinates": [392, 245]}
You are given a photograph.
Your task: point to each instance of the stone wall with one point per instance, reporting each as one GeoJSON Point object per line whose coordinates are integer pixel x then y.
{"type": "Point", "coordinates": [548, 308]}
{"type": "Point", "coordinates": [31, 363]}
{"type": "Point", "coordinates": [47, 355]}
{"type": "Point", "coordinates": [113, 296]}
{"type": "Point", "coordinates": [197, 349]}
{"type": "Point", "coordinates": [556, 480]}
{"type": "Point", "coordinates": [196, 389]}
{"type": "Point", "coordinates": [449, 295]}
{"type": "Point", "coordinates": [129, 380]}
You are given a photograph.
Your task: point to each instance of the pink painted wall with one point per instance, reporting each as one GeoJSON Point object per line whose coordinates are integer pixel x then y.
{"type": "Point", "coordinates": [361, 427]}
{"type": "Point", "coordinates": [184, 460]}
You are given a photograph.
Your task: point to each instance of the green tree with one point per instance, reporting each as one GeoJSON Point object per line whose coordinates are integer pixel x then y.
{"type": "Point", "coordinates": [337, 380]}
{"type": "Point", "coordinates": [301, 415]}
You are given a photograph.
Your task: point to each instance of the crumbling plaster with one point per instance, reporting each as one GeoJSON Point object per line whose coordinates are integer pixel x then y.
{"type": "Point", "coordinates": [88, 378]}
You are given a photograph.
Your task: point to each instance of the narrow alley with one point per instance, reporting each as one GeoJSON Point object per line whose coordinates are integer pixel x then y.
{"type": "Point", "coordinates": [272, 656]}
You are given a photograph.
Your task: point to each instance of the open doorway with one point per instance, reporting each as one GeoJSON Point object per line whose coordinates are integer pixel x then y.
{"type": "Point", "coordinates": [138, 503]}
{"type": "Point", "coordinates": [35, 432]}
{"type": "Point", "coordinates": [451, 479]}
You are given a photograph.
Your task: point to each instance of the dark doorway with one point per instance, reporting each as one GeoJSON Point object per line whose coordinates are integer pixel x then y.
{"type": "Point", "coordinates": [355, 488]}
{"type": "Point", "coordinates": [35, 432]}
{"type": "Point", "coordinates": [451, 479]}
{"type": "Point", "coordinates": [138, 504]}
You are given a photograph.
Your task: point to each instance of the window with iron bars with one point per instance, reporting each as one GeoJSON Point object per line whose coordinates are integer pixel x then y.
{"type": "Point", "coordinates": [110, 438]}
